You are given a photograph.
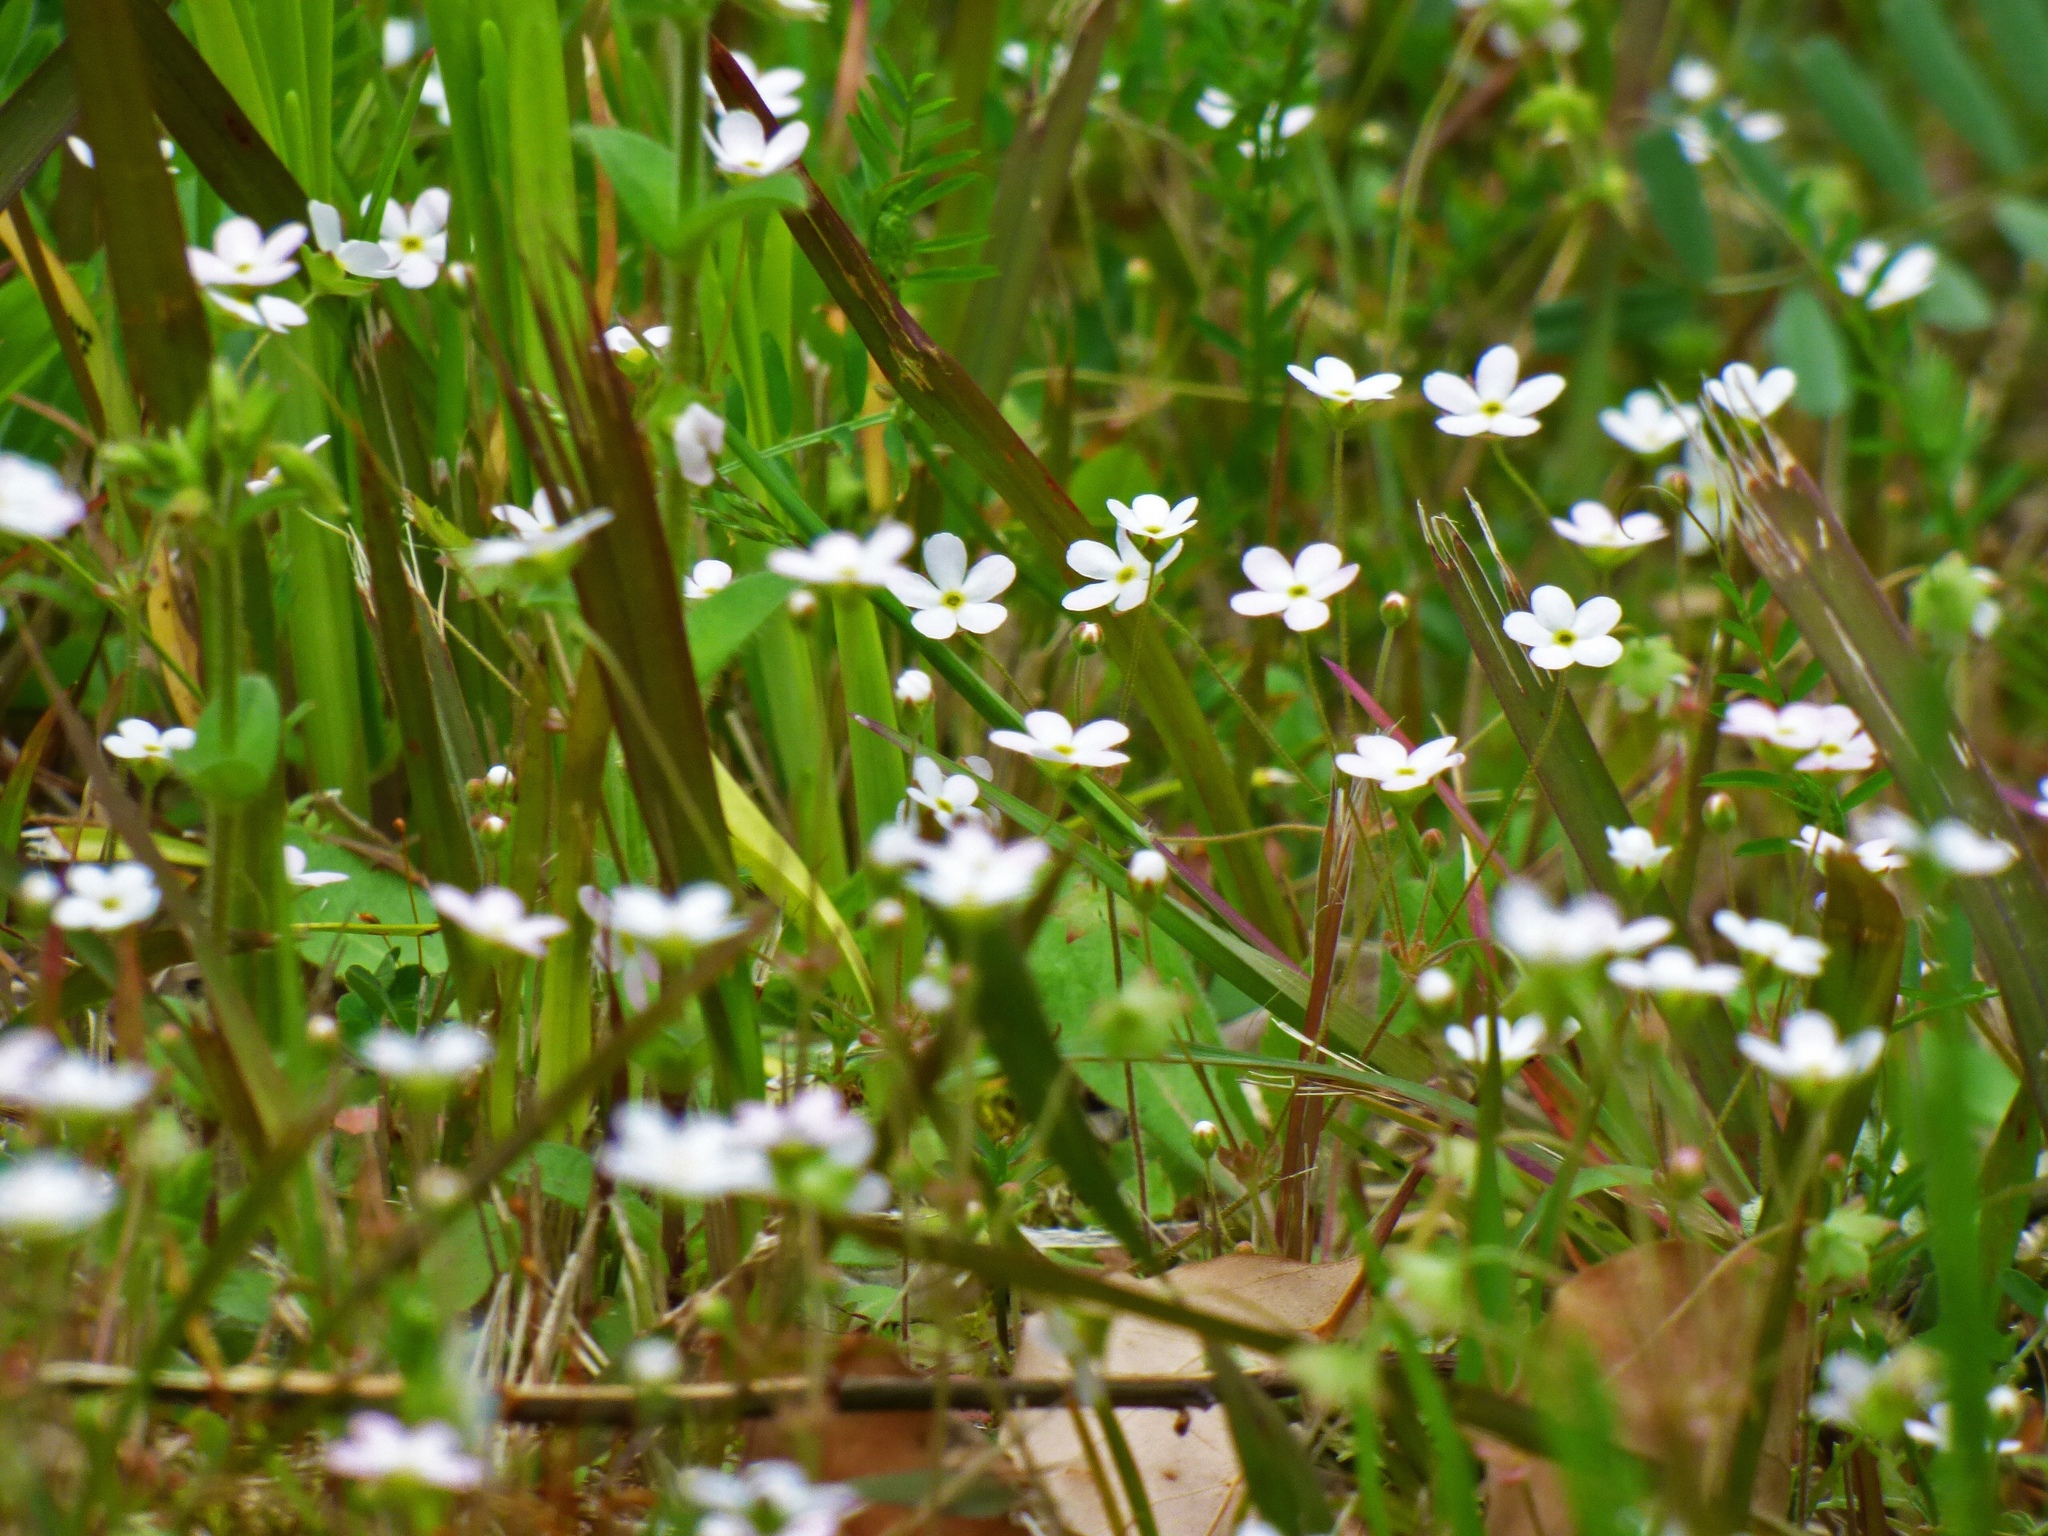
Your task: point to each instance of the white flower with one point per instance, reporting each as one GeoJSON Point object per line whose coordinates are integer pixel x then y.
{"type": "Point", "coordinates": [1748, 397]}
{"type": "Point", "coordinates": [699, 438]}
{"type": "Point", "coordinates": [950, 597]}
{"type": "Point", "coordinates": [1299, 592]}
{"type": "Point", "coordinates": [1396, 769]}
{"type": "Point", "coordinates": [1645, 425]}
{"type": "Point", "coordinates": [1334, 381]}
{"type": "Point", "coordinates": [913, 688]}
{"type": "Point", "coordinates": [743, 149]}
{"type": "Point", "coordinates": [1216, 107]}
{"type": "Point", "coordinates": [1830, 736]}
{"type": "Point", "coordinates": [1847, 1382]}
{"type": "Point", "coordinates": [634, 347]}
{"type": "Point", "coordinates": [779, 88]}
{"type": "Point", "coordinates": [1153, 517]}
{"type": "Point", "coordinates": [1635, 851]}
{"type": "Point", "coordinates": [1695, 80]}
{"type": "Point", "coordinates": [1435, 987]}
{"type": "Point", "coordinates": [244, 257]}
{"type": "Point", "coordinates": [844, 560]}
{"type": "Point", "coordinates": [1674, 972]}
{"type": "Point", "coordinates": [1519, 1040]}
{"type": "Point", "coordinates": [697, 915]}
{"type": "Point", "coordinates": [1873, 274]}
{"type": "Point", "coordinates": [1810, 1055]}
{"type": "Point", "coordinates": [279, 316]}
{"type": "Point", "coordinates": [379, 1448]}
{"type": "Point", "coordinates": [1774, 943]}
{"type": "Point", "coordinates": [705, 578]}
{"type": "Point", "coordinates": [535, 534]}
{"type": "Point", "coordinates": [762, 1149]}
{"type": "Point", "coordinates": [1879, 855]}
{"type": "Point", "coordinates": [38, 1074]}
{"type": "Point", "coordinates": [1048, 737]}
{"type": "Point", "coordinates": [274, 476]}
{"type": "Point", "coordinates": [35, 503]}
{"type": "Point", "coordinates": [497, 916]}
{"type": "Point", "coordinates": [1933, 1431]}
{"type": "Point", "coordinates": [694, 1158]}
{"type": "Point", "coordinates": [1121, 576]}
{"type": "Point", "coordinates": [800, 10]}
{"type": "Point", "coordinates": [1609, 539]}
{"type": "Point", "coordinates": [140, 741]}
{"type": "Point", "coordinates": [39, 889]}
{"type": "Point", "coordinates": [1562, 634]}
{"type": "Point", "coordinates": [766, 1498]}
{"type": "Point", "coordinates": [296, 873]}
{"type": "Point", "coordinates": [947, 796]}
{"type": "Point", "coordinates": [1961, 849]}
{"type": "Point", "coordinates": [653, 1361]}
{"type": "Point", "coordinates": [401, 41]}
{"type": "Point", "coordinates": [1148, 871]}
{"type": "Point", "coordinates": [1537, 934]}
{"type": "Point", "coordinates": [929, 994]}
{"type": "Point", "coordinates": [442, 1056]}
{"type": "Point", "coordinates": [107, 899]}
{"type": "Point", "coordinates": [434, 94]}
{"type": "Point", "coordinates": [49, 1195]}
{"type": "Point", "coordinates": [1491, 402]}
{"type": "Point", "coordinates": [972, 873]}
{"type": "Point", "coordinates": [415, 240]}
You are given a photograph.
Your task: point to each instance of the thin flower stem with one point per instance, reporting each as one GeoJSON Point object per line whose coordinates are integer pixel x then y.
{"type": "Point", "coordinates": [1257, 720]}
{"type": "Point", "coordinates": [1500, 457]}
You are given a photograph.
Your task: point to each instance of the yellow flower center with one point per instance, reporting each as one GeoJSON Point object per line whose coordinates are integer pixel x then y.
{"type": "Point", "coordinates": [954, 600]}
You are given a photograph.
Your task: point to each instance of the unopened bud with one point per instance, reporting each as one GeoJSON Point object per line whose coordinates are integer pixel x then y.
{"type": "Point", "coordinates": [803, 606]}
{"type": "Point", "coordinates": [1148, 874]}
{"type": "Point", "coordinates": [1138, 272]}
{"type": "Point", "coordinates": [321, 1030]}
{"type": "Point", "coordinates": [439, 1187]}
{"type": "Point", "coordinates": [913, 688]}
{"type": "Point", "coordinates": [1677, 482]}
{"type": "Point", "coordinates": [1435, 987]}
{"type": "Point", "coordinates": [1432, 842]}
{"type": "Point", "coordinates": [1205, 1138]}
{"type": "Point", "coordinates": [1087, 639]}
{"type": "Point", "coordinates": [1686, 1171]}
{"type": "Point", "coordinates": [1394, 610]}
{"type": "Point", "coordinates": [476, 789]}
{"type": "Point", "coordinates": [1718, 813]}
{"type": "Point", "coordinates": [1137, 1024]}
{"type": "Point", "coordinates": [490, 829]}
{"type": "Point", "coordinates": [499, 777]}
{"type": "Point", "coordinates": [887, 913]}
{"type": "Point", "coordinates": [715, 1315]}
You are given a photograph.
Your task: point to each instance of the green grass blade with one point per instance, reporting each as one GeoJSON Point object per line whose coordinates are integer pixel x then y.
{"type": "Point", "coordinates": [1671, 187]}
{"type": "Point", "coordinates": [2019, 38]}
{"type": "Point", "coordinates": [34, 120]}
{"type": "Point", "coordinates": [1849, 100]}
{"type": "Point", "coordinates": [1277, 1474]}
{"type": "Point", "coordinates": [878, 768]}
{"type": "Point", "coordinates": [1949, 77]}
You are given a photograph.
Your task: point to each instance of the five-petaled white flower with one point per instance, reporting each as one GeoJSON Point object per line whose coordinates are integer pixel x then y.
{"type": "Point", "coordinates": [779, 87]}
{"type": "Point", "coordinates": [1829, 737]}
{"type": "Point", "coordinates": [358, 258]}
{"type": "Point", "coordinates": [1049, 737]}
{"type": "Point", "coordinates": [766, 1498]}
{"type": "Point", "coordinates": [244, 257]}
{"type": "Point", "coordinates": [1645, 425]}
{"type": "Point", "coordinates": [949, 797]}
{"type": "Point", "coordinates": [1519, 1039]}
{"type": "Point", "coordinates": [268, 312]}
{"type": "Point", "coordinates": [35, 503]}
{"type": "Point", "coordinates": [415, 239]}
{"type": "Point", "coordinates": [743, 149]}
{"type": "Point", "coordinates": [380, 1449]}
{"type": "Point", "coordinates": [761, 1149]}
{"type": "Point", "coordinates": [699, 438]}
{"type": "Point", "coordinates": [1216, 107]}
{"type": "Point", "coordinates": [138, 741]}
{"type": "Point", "coordinates": [1609, 540]}
{"type": "Point", "coordinates": [106, 899]}
{"type": "Point", "coordinates": [1299, 591]}
{"type": "Point", "coordinates": [1747, 396]}
{"type": "Point", "coordinates": [949, 597]}
{"type": "Point", "coordinates": [535, 534]}
{"type": "Point", "coordinates": [1540, 935]}
{"type": "Point", "coordinates": [1491, 402]}
{"type": "Point", "coordinates": [705, 578]}
{"type": "Point", "coordinates": [1152, 516]}
{"type": "Point", "coordinates": [674, 927]}
{"type": "Point", "coordinates": [1772, 942]}
{"type": "Point", "coordinates": [1880, 279]}
{"type": "Point", "coordinates": [1397, 769]}
{"type": "Point", "coordinates": [1333, 380]}
{"type": "Point", "coordinates": [847, 560]}
{"type": "Point", "coordinates": [1674, 972]}
{"type": "Point", "coordinates": [45, 1196]}
{"type": "Point", "coordinates": [498, 916]}
{"type": "Point", "coordinates": [692, 1158]}
{"type": "Point", "coordinates": [297, 875]}
{"type": "Point", "coordinates": [442, 1056]}
{"type": "Point", "coordinates": [1635, 850]}
{"type": "Point", "coordinates": [631, 346]}
{"type": "Point", "coordinates": [39, 1075]}
{"type": "Point", "coordinates": [971, 873]}
{"type": "Point", "coordinates": [1560, 633]}
{"type": "Point", "coordinates": [1810, 1055]}
{"type": "Point", "coordinates": [1120, 576]}
{"type": "Point", "coordinates": [1879, 855]}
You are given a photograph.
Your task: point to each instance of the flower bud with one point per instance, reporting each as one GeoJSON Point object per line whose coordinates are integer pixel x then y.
{"type": "Point", "coordinates": [500, 778]}
{"type": "Point", "coordinates": [803, 606]}
{"type": "Point", "coordinates": [1718, 813]}
{"type": "Point", "coordinates": [1148, 873]}
{"type": "Point", "coordinates": [1394, 610]}
{"type": "Point", "coordinates": [1138, 272]}
{"type": "Point", "coordinates": [321, 1030]}
{"type": "Point", "coordinates": [1087, 639]}
{"type": "Point", "coordinates": [653, 1361]}
{"type": "Point", "coordinates": [887, 913]}
{"type": "Point", "coordinates": [490, 830]}
{"type": "Point", "coordinates": [439, 1187]}
{"type": "Point", "coordinates": [1677, 482]}
{"type": "Point", "coordinates": [913, 688]}
{"type": "Point", "coordinates": [1432, 843]}
{"type": "Point", "coordinates": [1264, 777]}
{"type": "Point", "coordinates": [715, 1315]}
{"type": "Point", "coordinates": [37, 892]}
{"type": "Point", "coordinates": [1436, 988]}
{"type": "Point", "coordinates": [1205, 1138]}
{"type": "Point", "coordinates": [1137, 1024]}
{"type": "Point", "coordinates": [476, 789]}
{"type": "Point", "coordinates": [1685, 1172]}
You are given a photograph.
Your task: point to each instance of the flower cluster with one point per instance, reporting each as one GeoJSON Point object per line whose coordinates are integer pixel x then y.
{"type": "Point", "coordinates": [812, 1149]}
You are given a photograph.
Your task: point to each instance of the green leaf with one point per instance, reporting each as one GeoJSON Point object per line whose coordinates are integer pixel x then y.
{"type": "Point", "coordinates": [643, 174]}
{"type": "Point", "coordinates": [208, 123]}
{"type": "Point", "coordinates": [2024, 223]}
{"type": "Point", "coordinates": [1850, 102]}
{"type": "Point", "coordinates": [1805, 339]}
{"type": "Point", "coordinates": [2019, 41]}
{"type": "Point", "coordinates": [1934, 56]}
{"type": "Point", "coordinates": [771, 194]}
{"type": "Point", "coordinates": [721, 625]}
{"type": "Point", "coordinates": [1956, 301]}
{"type": "Point", "coordinates": [1277, 1473]}
{"type": "Point", "coordinates": [1671, 187]}
{"type": "Point", "coordinates": [34, 120]}
{"type": "Point", "coordinates": [232, 765]}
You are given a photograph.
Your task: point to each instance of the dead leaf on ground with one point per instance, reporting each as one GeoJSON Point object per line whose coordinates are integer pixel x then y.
{"type": "Point", "coordinates": [1673, 1327]}
{"type": "Point", "coordinates": [1186, 1460]}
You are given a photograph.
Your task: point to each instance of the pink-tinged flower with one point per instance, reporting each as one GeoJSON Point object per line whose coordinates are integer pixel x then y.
{"type": "Point", "coordinates": [1561, 634]}
{"type": "Point", "coordinates": [1299, 591]}
{"type": "Point", "coordinates": [379, 1449]}
{"type": "Point", "coordinates": [1491, 403]}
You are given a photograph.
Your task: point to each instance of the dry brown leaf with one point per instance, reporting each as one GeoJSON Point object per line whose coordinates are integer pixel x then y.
{"type": "Point", "coordinates": [1673, 1326]}
{"type": "Point", "coordinates": [1186, 1460]}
